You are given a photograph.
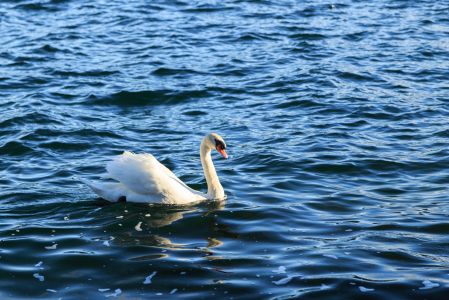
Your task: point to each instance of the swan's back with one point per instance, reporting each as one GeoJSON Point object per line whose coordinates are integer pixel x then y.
{"type": "Point", "coordinates": [138, 172]}
{"type": "Point", "coordinates": [144, 175]}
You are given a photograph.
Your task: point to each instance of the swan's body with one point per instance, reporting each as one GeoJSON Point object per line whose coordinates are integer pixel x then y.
{"type": "Point", "coordinates": [142, 178]}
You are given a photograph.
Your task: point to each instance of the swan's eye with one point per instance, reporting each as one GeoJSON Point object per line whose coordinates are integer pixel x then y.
{"type": "Point", "coordinates": [219, 145]}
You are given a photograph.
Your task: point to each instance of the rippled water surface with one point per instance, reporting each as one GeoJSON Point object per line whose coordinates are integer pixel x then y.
{"type": "Point", "coordinates": [336, 119]}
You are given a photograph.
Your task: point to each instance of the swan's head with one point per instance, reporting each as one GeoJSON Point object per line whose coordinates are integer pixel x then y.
{"type": "Point", "coordinates": [215, 141]}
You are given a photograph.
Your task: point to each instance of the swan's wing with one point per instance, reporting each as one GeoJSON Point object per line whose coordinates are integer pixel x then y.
{"type": "Point", "coordinates": [113, 191]}
{"type": "Point", "coordinates": [144, 174]}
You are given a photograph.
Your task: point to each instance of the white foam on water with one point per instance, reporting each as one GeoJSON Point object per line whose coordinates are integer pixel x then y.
{"type": "Point", "coordinates": [149, 277]}
{"type": "Point", "coordinates": [53, 247]}
{"type": "Point", "coordinates": [330, 256]}
{"type": "Point", "coordinates": [137, 227]}
{"type": "Point", "coordinates": [38, 277]}
{"type": "Point", "coordinates": [38, 264]}
{"type": "Point", "coordinates": [106, 243]}
{"type": "Point", "coordinates": [280, 270]}
{"type": "Point", "coordinates": [51, 291]}
{"type": "Point", "coordinates": [103, 290]}
{"type": "Point", "coordinates": [173, 291]}
{"type": "Point", "coordinates": [429, 285]}
{"type": "Point", "coordinates": [283, 280]}
{"type": "Point", "coordinates": [115, 294]}
{"type": "Point", "coordinates": [364, 289]}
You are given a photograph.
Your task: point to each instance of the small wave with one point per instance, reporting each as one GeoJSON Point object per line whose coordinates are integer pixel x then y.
{"type": "Point", "coordinates": [48, 49]}
{"type": "Point", "coordinates": [30, 118]}
{"type": "Point", "coordinates": [357, 77]}
{"type": "Point", "coordinates": [37, 7]}
{"type": "Point", "coordinates": [356, 36]}
{"type": "Point", "coordinates": [254, 37]}
{"type": "Point", "coordinates": [207, 9]}
{"type": "Point", "coordinates": [298, 104]}
{"type": "Point", "coordinates": [308, 36]}
{"type": "Point", "coordinates": [442, 133]}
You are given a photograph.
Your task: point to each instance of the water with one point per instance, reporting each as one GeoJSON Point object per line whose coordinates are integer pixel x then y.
{"type": "Point", "coordinates": [335, 115]}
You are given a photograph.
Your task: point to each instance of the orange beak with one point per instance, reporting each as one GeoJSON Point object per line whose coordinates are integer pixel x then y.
{"type": "Point", "coordinates": [222, 152]}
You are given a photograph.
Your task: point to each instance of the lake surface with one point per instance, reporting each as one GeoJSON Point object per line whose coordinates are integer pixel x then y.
{"type": "Point", "coordinates": [336, 120]}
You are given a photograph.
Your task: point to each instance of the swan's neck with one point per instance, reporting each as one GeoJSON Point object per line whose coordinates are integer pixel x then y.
{"type": "Point", "coordinates": [214, 188]}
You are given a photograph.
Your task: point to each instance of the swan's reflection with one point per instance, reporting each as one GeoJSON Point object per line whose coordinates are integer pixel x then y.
{"type": "Point", "coordinates": [159, 227]}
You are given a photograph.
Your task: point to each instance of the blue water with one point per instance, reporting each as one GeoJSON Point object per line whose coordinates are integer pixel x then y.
{"type": "Point", "coordinates": [336, 119]}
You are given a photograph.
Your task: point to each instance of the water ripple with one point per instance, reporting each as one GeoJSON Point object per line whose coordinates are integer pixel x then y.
{"type": "Point", "coordinates": [334, 114]}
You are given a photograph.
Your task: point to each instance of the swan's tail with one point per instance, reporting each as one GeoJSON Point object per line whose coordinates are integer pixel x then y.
{"type": "Point", "coordinates": [91, 185]}
{"type": "Point", "coordinates": [96, 188]}
{"type": "Point", "coordinates": [109, 191]}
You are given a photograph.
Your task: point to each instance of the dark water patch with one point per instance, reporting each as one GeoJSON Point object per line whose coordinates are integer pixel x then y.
{"type": "Point", "coordinates": [8, 133]}
{"type": "Point", "coordinates": [442, 133]}
{"type": "Point", "coordinates": [59, 95]}
{"type": "Point", "coordinates": [390, 191]}
{"type": "Point", "coordinates": [331, 206]}
{"type": "Point", "coordinates": [93, 132]}
{"type": "Point", "coordinates": [340, 168]}
{"type": "Point", "coordinates": [19, 63]}
{"type": "Point", "coordinates": [298, 104]}
{"type": "Point", "coordinates": [255, 37]}
{"type": "Point", "coordinates": [91, 73]}
{"type": "Point", "coordinates": [441, 228]}
{"type": "Point", "coordinates": [376, 115]}
{"type": "Point", "coordinates": [64, 146]}
{"type": "Point", "coordinates": [357, 77]}
{"type": "Point", "coordinates": [207, 8]}
{"type": "Point", "coordinates": [149, 98]}
{"type": "Point", "coordinates": [170, 71]}
{"type": "Point", "coordinates": [357, 36]}
{"type": "Point", "coordinates": [308, 36]}
{"type": "Point", "coordinates": [48, 49]}
{"type": "Point", "coordinates": [355, 123]}
{"type": "Point", "coordinates": [195, 113]}
{"type": "Point", "coordinates": [408, 137]}
{"type": "Point", "coordinates": [13, 148]}
{"type": "Point", "coordinates": [37, 7]}
{"type": "Point", "coordinates": [26, 59]}
{"type": "Point", "coordinates": [26, 82]}
{"type": "Point", "coordinates": [333, 110]}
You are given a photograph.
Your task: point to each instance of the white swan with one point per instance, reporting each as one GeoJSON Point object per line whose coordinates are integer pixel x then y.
{"type": "Point", "coordinates": [142, 178]}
